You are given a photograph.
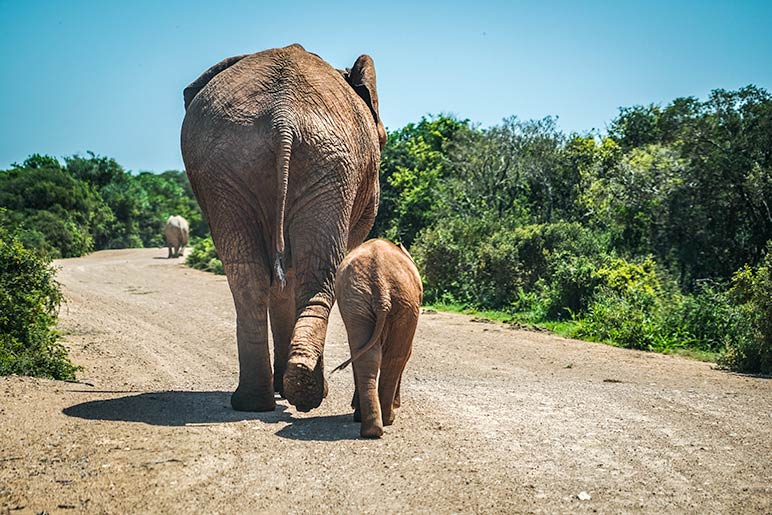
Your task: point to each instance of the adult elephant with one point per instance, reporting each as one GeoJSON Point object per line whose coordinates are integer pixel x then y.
{"type": "Point", "coordinates": [176, 232]}
{"type": "Point", "coordinates": [282, 151]}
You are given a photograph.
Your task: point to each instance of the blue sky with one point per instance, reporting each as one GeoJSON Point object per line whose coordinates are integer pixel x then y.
{"type": "Point", "coordinates": [108, 76]}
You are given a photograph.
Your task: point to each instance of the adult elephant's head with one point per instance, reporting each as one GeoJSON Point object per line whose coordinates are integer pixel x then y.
{"type": "Point", "coordinates": [361, 77]}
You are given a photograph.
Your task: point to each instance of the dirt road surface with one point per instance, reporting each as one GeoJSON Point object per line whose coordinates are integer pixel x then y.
{"type": "Point", "coordinates": [493, 419]}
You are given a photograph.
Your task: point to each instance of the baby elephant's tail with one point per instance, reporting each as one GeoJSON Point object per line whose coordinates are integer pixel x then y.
{"type": "Point", "coordinates": [380, 321]}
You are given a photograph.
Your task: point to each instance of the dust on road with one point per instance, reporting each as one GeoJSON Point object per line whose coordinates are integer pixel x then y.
{"type": "Point", "coordinates": [493, 419]}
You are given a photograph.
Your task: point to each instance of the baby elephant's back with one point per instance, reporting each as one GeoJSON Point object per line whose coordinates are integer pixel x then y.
{"type": "Point", "coordinates": [381, 273]}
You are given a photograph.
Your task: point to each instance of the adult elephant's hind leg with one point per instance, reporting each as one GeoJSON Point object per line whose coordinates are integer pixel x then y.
{"type": "Point", "coordinates": [249, 284]}
{"type": "Point", "coordinates": [318, 242]}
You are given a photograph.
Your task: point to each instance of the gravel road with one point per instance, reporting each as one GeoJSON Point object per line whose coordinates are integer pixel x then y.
{"type": "Point", "coordinates": [493, 419]}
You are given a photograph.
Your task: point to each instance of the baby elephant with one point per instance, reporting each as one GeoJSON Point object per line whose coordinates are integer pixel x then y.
{"type": "Point", "coordinates": [176, 233]}
{"type": "Point", "coordinates": [379, 296]}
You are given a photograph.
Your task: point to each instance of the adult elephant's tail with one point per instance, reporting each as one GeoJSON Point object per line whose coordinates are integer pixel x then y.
{"type": "Point", "coordinates": [282, 165]}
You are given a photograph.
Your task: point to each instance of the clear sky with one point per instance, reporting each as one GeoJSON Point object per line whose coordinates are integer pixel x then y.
{"type": "Point", "coordinates": [107, 76]}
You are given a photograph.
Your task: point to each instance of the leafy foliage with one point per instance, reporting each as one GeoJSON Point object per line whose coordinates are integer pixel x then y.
{"type": "Point", "coordinates": [651, 237]}
{"type": "Point", "coordinates": [29, 303]}
{"type": "Point", "coordinates": [750, 292]}
{"type": "Point", "coordinates": [413, 166]}
{"type": "Point", "coordinates": [203, 256]}
{"type": "Point", "coordinates": [91, 203]}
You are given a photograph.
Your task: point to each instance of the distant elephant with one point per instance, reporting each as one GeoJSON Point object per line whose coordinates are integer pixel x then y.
{"type": "Point", "coordinates": [379, 295]}
{"type": "Point", "coordinates": [176, 233]}
{"type": "Point", "coordinates": [282, 151]}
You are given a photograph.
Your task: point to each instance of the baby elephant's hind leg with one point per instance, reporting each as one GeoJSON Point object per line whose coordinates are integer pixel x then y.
{"type": "Point", "coordinates": [387, 389]}
{"type": "Point", "coordinates": [367, 385]}
{"type": "Point", "coordinates": [397, 350]}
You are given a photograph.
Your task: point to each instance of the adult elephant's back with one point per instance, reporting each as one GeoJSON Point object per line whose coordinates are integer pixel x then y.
{"type": "Point", "coordinates": [282, 151]}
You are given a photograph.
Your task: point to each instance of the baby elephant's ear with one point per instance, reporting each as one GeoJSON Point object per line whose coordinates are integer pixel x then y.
{"type": "Point", "coordinates": [362, 79]}
{"type": "Point", "coordinates": [403, 249]}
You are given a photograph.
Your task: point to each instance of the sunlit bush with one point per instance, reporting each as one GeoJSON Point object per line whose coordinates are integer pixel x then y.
{"type": "Point", "coordinates": [203, 256]}
{"type": "Point", "coordinates": [752, 292]}
{"type": "Point", "coordinates": [29, 304]}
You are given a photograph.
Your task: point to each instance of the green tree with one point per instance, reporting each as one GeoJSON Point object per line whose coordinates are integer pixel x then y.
{"type": "Point", "coordinates": [62, 211]}
{"type": "Point", "coordinates": [412, 170]}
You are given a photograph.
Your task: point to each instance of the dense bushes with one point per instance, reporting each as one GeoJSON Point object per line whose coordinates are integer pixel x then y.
{"type": "Point", "coordinates": [61, 213]}
{"type": "Point", "coordinates": [487, 265]}
{"type": "Point", "coordinates": [203, 256]}
{"type": "Point", "coordinates": [52, 210]}
{"type": "Point", "coordinates": [29, 303]}
{"type": "Point", "coordinates": [650, 237]}
{"type": "Point", "coordinates": [91, 203]}
{"type": "Point", "coordinates": [751, 296]}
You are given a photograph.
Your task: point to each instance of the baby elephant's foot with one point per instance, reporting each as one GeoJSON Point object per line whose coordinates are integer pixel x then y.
{"type": "Point", "coordinates": [357, 415]}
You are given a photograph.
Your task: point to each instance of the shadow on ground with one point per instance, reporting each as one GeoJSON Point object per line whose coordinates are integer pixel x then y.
{"type": "Point", "coordinates": [172, 408]}
{"type": "Point", "coordinates": [329, 428]}
{"type": "Point", "coordinates": [176, 408]}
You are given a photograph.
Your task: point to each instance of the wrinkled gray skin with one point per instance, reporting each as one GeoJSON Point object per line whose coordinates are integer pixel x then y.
{"type": "Point", "coordinates": [282, 151]}
{"type": "Point", "coordinates": [176, 234]}
{"type": "Point", "coordinates": [379, 295]}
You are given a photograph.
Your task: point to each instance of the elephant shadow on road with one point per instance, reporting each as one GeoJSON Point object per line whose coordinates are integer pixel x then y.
{"type": "Point", "coordinates": [182, 408]}
{"type": "Point", "coordinates": [326, 428]}
{"type": "Point", "coordinates": [171, 408]}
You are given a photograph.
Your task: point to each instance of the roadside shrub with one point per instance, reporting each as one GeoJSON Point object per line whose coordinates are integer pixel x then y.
{"type": "Point", "coordinates": [203, 256]}
{"type": "Point", "coordinates": [444, 254]}
{"type": "Point", "coordinates": [486, 265]}
{"type": "Point", "coordinates": [498, 273]}
{"type": "Point", "coordinates": [627, 319]}
{"type": "Point", "coordinates": [751, 291]}
{"type": "Point", "coordinates": [29, 303]}
{"type": "Point", "coordinates": [569, 288]}
{"type": "Point", "coordinates": [709, 319]}
{"type": "Point", "coordinates": [60, 237]}
{"type": "Point", "coordinates": [630, 306]}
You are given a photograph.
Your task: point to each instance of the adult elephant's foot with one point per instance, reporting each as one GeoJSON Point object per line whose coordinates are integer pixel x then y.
{"type": "Point", "coordinates": [357, 415]}
{"type": "Point", "coordinates": [249, 400]}
{"type": "Point", "coordinates": [304, 386]}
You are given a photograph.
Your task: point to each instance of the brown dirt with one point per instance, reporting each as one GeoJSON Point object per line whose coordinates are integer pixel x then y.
{"type": "Point", "coordinates": [493, 419]}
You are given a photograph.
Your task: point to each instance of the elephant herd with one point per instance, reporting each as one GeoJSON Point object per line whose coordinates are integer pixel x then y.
{"type": "Point", "coordinates": [282, 151]}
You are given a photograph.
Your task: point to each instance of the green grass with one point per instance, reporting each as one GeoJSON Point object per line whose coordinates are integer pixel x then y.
{"type": "Point", "coordinates": [564, 328]}
{"type": "Point", "coordinates": [696, 354]}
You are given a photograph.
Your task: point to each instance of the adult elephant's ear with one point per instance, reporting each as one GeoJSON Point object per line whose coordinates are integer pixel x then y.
{"type": "Point", "coordinates": [197, 85]}
{"type": "Point", "coordinates": [361, 77]}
